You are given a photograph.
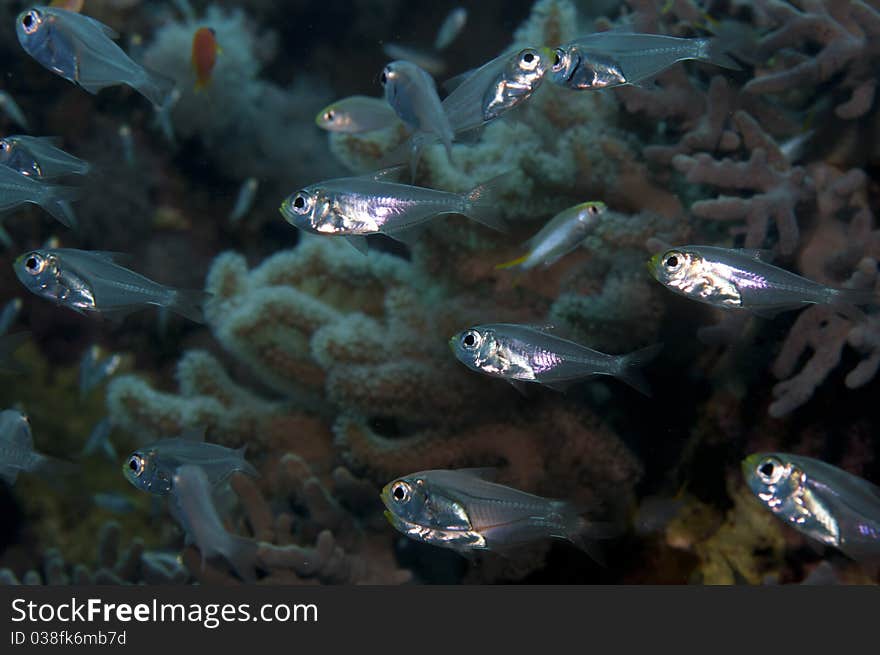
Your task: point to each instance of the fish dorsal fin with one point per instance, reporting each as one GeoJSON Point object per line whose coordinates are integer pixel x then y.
{"type": "Point", "coordinates": [112, 256]}
{"type": "Point", "coordinates": [193, 434]}
{"type": "Point", "coordinates": [454, 82]}
{"type": "Point", "coordinates": [487, 473]}
{"type": "Point", "coordinates": [546, 328]}
{"type": "Point", "coordinates": [758, 254]}
{"type": "Point", "coordinates": [388, 174]}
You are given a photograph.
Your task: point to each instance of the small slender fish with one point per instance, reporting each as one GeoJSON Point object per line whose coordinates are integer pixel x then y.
{"type": "Point", "coordinates": [411, 92]}
{"type": "Point", "coordinates": [821, 501]}
{"type": "Point", "coordinates": [204, 55]}
{"type": "Point", "coordinates": [39, 157]}
{"type": "Point", "coordinates": [81, 50]}
{"type": "Point", "coordinates": [99, 440]}
{"type": "Point", "coordinates": [465, 511]}
{"type": "Point", "coordinates": [195, 510]}
{"type": "Point", "coordinates": [608, 59]}
{"type": "Point", "coordinates": [9, 314]}
{"type": "Point", "coordinates": [451, 27]}
{"type": "Point", "coordinates": [245, 200]}
{"type": "Point", "coordinates": [162, 119]}
{"type": "Point", "coordinates": [94, 368]}
{"type": "Point", "coordinates": [152, 467]}
{"type": "Point", "coordinates": [358, 206]}
{"type": "Point", "coordinates": [126, 139]}
{"type": "Point", "coordinates": [9, 107]}
{"type": "Point", "coordinates": [521, 353]}
{"type": "Point", "coordinates": [113, 502]}
{"type": "Point", "coordinates": [560, 236]}
{"type": "Point", "coordinates": [356, 114]}
{"type": "Point", "coordinates": [17, 452]}
{"type": "Point", "coordinates": [731, 278]}
{"type": "Point", "coordinates": [424, 59]}
{"type": "Point", "coordinates": [92, 281]}
{"type": "Point", "coordinates": [17, 189]}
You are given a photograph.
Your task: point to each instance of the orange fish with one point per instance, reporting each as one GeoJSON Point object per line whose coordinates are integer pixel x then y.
{"type": "Point", "coordinates": [204, 55]}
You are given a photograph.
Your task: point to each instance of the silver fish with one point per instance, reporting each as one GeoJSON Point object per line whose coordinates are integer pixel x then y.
{"type": "Point", "coordinates": [99, 440]}
{"type": "Point", "coordinates": [112, 502]}
{"type": "Point", "coordinates": [39, 157]}
{"type": "Point", "coordinates": [356, 114]}
{"type": "Point", "coordinates": [11, 109]}
{"type": "Point", "coordinates": [428, 61]}
{"type": "Point", "coordinates": [94, 368]}
{"type": "Point", "coordinates": [17, 189]}
{"type": "Point", "coordinates": [451, 27]}
{"type": "Point", "coordinates": [9, 314]}
{"type": "Point", "coordinates": [411, 92]}
{"type": "Point", "coordinates": [821, 501]}
{"type": "Point", "coordinates": [152, 467]}
{"type": "Point", "coordinates": [17, 452]}
{"type": "Point", "coordinates": [81, 49]}
{"type": "Point", "coordinates": [465, 511]}
{"type": "Point", "coordinates": [358, 206]}
{"type": "Point", "coordinates": [194, 508]}
{"type": "Point", "coordinates": [162, 118]}
{"type": "Point", "coordinates": [92, 281]}
{"type": "Point", "coordinates": [562, 234]}
{"type": "Point", "coordinates": [731, 278]}
{"type": "Point", "coordinates": [245, 199]}
{"type": "Point", "coordinates": [521, 353]}
{"type": "Point", "coordinates": [608, 59]}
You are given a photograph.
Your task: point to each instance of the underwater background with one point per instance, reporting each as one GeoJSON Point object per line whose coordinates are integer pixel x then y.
{"type": "Point", "coordinates": [333, 367]}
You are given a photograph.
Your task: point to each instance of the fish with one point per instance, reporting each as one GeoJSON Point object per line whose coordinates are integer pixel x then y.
{"type": "Point", "coordinates": [412, 94]}
{"type": "Point", "coordinates": [450, 28]}
{"type": "Point", "coordinates": [466, 511]}
{"type": "Point", "coordinates": [194, 508]}
{"type": "Point", "coordinates": [522, 353]}
{"type": "Point", "coordinates": [562, 234]}
{"type": "Point", "coordinates": [245, 199]}
{"type": "Point", "coordinates": [94, 368]}
{"type": "Point", "coordinates": [358, 206]}
{"type": "Point", "coordinates": [17, 452]}
{"type": "Point", "coordinates": [81, 50]}
{"type": "Point", "coordinates": [608, 59]}
{"type": "Point", "coordinates": [99, 440]}
{"type": "Point", "coordinates": [819, 500]}
{"type": "Point", "coordinates": [204, 55]}
{"type": "Point", "coordinates": [356, 114]}
{"type": "Point", "coordinates": [113, 502]}
{"type": "Point", "coordinates": [9, 314]}
{"type": "Point", "coordinates": [126, 141]}
{"type": "Point", "coordinates": [734, 278]}
{"type": "Point", "coordinates": [162, 118]}
{"type": "Point", "coordinates": [92, 281]}
{"type": "Point", "coordinates": [429, 61]}
{"type": "Point", "coordinates": [151, 468]}
{"type": "Point", "coordinates": [12, 110]}
{"type": "Point", "coordinates": [40, 157]}
{"type": "Point", "coordinates": [17, 190]}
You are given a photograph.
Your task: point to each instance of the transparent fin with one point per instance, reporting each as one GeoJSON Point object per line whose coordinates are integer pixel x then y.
{"type": "Point", "coordinates": [57, 202]}
{"type": "Point", "coordinates": [190, 303]}
{"type": "Point", "coordinates": [155, 87]}
{"type": "Point", "coordinates": [483, 205]}
{"type": "Point", "coordinates": [712, 50]}
{"type": "Point", "coordinates": [359, 243]}
{"type": "Point", "coordinates": [629, 370]}
{"type": "Point", "coordinates": [513, 262]}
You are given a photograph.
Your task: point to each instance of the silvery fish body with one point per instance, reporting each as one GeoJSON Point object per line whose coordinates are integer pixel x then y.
{"type": "Point", "coordinates": [608, 59]}
{"type": "Point", "coordinates": [464, 511]}
{"type": "Point", "coordinates": [193, 506]}
{"type": "Point", "coordinates": [99, 440]}
{"type": "Point", "coordinates": [152, 467]}
{"type": "Point", "coordinates": [356, 114]}
{"type": "Point", "coordinates": [17, 189]}
{"type": "Point", "coordinates": [741, 279]}
{"type": "Point", "coordinates": [39, 157]}
{"type": "Point", "coordinates": [11, 109]}
{"type": "Point", "coordinates": [92, 281]}
{"type": "Point", "coordinates": [411, 92]}
{"type": "Point", "coordinates": [521, 353]}
{"type": "Point", "coordinates": [245, 199]}
{"type": "Point", "coordinates": [495, 88]}
{"type": "Point", "coordinates": [94, 368]}
{"type": "Point", "coordinates": [562, 234]}
{"type": "Point", "coordinates": [16, 446]}
{"type": "Point", "coordinates": [81, 49]}
{"type": "Point", "coordinates": [822, 501]}
{"type": "Point", "coordinates": [451, 27]}
{"type": "Point", "coordinates": [358, 206]}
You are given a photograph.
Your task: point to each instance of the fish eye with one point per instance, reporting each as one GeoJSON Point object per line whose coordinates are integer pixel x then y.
{"type": "Point", "coordinates": [135, 464]}
{"type": "Point", "coordinates": [383, 78]}
{"type": "Point", "coordinates": [328, 116]}
{"type": "Point", "coordinates": [4, 145]}
{"type": "Point", "coordinates": [471, 339]}
{"type": "Point", "coordinates": [401, 491]}
{"type": "Point", "coordinates": [558, 57]}
{"type": "Point", "coordinates": [31, 21]}
{"type": "Point", "coordinates": [673, 261]}
{"type": "Point", "coordinates": [770, 470]}
{"type": "Point", "coordinates": [34, 264]}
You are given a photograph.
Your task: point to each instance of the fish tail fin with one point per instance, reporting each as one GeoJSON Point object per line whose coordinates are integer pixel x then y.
{"type": "Point", "coordinates": [584, 534]}
{"type": "Point", "coordinates": [155, 87]}
{"type": "Point", "coordinates": [241, 553]}
{"type": "Point", "coordinates": [56, 200]}
{"type": "Point", "coordinates": [629, 368]}
{"type": "Point", "coordinates": [847, 301]}
{"type": "Point", "coordinates": [481, 203]}
{"type": "Point", "coordinates": [712, 50]}
{"type": "Point", "coordinates": [8, 474]}
{"type": "Point", "coordinates": [512, 263]}
{"type": "Point", "coordinates": [189, 303]}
